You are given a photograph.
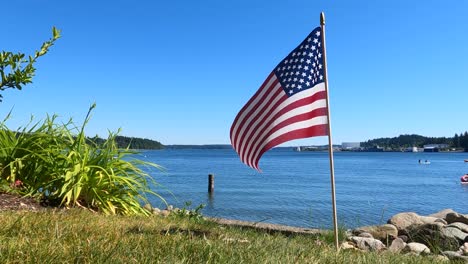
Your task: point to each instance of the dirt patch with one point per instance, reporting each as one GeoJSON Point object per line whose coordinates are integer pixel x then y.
{"type": "Point", "coordinates": [16, 203]}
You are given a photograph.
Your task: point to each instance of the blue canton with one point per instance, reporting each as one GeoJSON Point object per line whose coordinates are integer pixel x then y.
{"type": "Point", "coordinates": [303, 67]}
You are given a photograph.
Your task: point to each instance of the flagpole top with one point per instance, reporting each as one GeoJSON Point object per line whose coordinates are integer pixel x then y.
{"type": "Point", "coordinates": [322, 18]}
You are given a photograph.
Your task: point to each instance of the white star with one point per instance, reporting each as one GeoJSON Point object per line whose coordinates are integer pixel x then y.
{"type": "Point", "coordinates": [296, 60]}
{"type": "Point", "coordinates": [293, 85]}
{"type": "Point", "coordinates": [290, 91]}
{"type": "Point", "coordinates": [301, 80]}
{"type": "Point", "coordinates": [306, 68]}
{"type": "Point", "coordinates": [313, 64]}
{"type": "Point", "coordinates": [309, 39]}
{"type": "Point", "coordinates": [308, 83]}
{"type": "Point", "coordinates": [319, 44]}
{"type": "Point", "coordinates": [289, 79]}
{"type": "Point", "coordinates": [285, 61]}
{"type": "Point", "coordinates": [320, 66]}
{"type": "Point", "coordinates": [313, 48]}
{"type": "Point", "coordinates": [310, 54]}
{"type": "Point", "coordinates": [304, 53]}
{"type": "Point", "coordinates": [308, 61]}
{"type": "Point", "coordinates": [299, 67]}
{"type": "Point", "coordinates": [299, 87]}
{"type": "Point", "coordinates": [287, 85]}
{"type": "Point", "coordinates": [294, 54]}
{"type": "Point", "coordinates": [321, 77]}
{"type": "Point", "coordinates": [294, 67]}
{"type": "Point", "coordinates": [317, 33]}
{"type": "Point", "coordinates": [320, 55]}
{"type": "Point", "coordinates": [315, 40]}
{"type": "Point", "coordinates": [309, 77]}
{"type": "Point", "coordinates": [302, 60]}
{"type": "Point", "coordinates": [295, 79]}
{"type": "Point", "coordinates": [304, 74]}
{"type": "Point", "coordinates": [297, 73]}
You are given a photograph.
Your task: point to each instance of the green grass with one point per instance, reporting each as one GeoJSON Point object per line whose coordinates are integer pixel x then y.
{"type": "Point", "coordinates": [80, 236]}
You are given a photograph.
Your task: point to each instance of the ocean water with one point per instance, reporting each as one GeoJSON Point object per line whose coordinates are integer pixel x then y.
{"type": "Point", "coordinates": [294, 187]}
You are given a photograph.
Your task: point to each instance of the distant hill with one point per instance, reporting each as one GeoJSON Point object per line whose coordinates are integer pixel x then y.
{"type": "Point", "coordinates": [405, 141]}
{"type": "Point", "coordinates": [132, 142]}
{"type": "Point", "coordinates": [212, 146]}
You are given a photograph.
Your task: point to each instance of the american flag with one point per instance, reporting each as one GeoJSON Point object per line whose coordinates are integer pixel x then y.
{"type": "Point", "coordinates": [290, 104]}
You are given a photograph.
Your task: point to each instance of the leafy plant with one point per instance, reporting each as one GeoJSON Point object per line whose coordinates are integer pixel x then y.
{"type": "Point", "coordinates": [194, 214]}
{"type": "Point", "coordinates": [57, 163]}
{"type": "Point", "coordinates": [17, 71]}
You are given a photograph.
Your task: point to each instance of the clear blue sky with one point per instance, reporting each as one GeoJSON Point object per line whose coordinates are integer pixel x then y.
{"type": "Point", "coordinates": [179, 71]}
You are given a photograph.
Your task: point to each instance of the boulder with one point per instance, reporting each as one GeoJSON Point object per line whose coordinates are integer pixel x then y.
{"type": "Point", "coordinates": [381, 232]}
{"type": "Point", "coordinates": [156, 211]}
{"type": "Point", "coordinates": [453, 255]}
{"type": "Point", "coordinates": [456, 217]}
{"type": "Point", "coordinates": [397, 245]}
{"type": "Point", "coordinates": [442, 214]}
{"type": "Point", "coordinates": [417, 248]}
{"type": "Point", "coordinates": [365, 234]}
{"type": "Point", "coordinates": [434, 236]}
{"type": "Point", "coordinates": [455, 233]}
{"type": "Point", "coordinates": [347, 245]}
{"type": "Point", "coordinates": [366, 243]}
{"type": "Point", "coordinates": [463, 227]}
{"type": "Point", "coordinates": [404, 220]}
{"type": "Point", "coordinates": [464, 248]}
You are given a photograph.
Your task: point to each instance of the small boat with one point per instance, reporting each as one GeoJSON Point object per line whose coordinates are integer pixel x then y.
{"type": "Point", "coordinates": [426, 162]}
{"type": "Point", "coordinates": [464, 179]}
{"type": "Point", "coordinates": [466, 160]}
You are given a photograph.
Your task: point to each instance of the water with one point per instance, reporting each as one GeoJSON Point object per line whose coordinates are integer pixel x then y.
{"type": "Point", "coordinates": [294, 188]}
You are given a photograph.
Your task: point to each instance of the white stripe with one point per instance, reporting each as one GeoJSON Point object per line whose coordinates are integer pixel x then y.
{"type": "Point", "coordinates": [296, 97]}
{"type": "Point", "coordinates": [321, 103]}
{"type": "Point", "coordinates": [252, 125]}
{"type": "Point", "coordinates": [319, 120]}
{"type": "Point", "coordinates": [263, 103]}
{"type": "Point", "coordinates": [249, 108]}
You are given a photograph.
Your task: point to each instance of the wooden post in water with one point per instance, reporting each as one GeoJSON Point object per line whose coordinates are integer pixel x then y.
{"type": "Point", "coordinates": [210, 183]}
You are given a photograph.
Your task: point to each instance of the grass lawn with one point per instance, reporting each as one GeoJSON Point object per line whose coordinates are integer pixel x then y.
{"type": "Point", "coordinates": [80, 236]}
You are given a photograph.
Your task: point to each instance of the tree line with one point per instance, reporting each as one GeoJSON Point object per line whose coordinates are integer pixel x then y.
{"type": "Point", "coordinates": [459, 141]}
{"type": "Point", "coordinates": [131, 142]}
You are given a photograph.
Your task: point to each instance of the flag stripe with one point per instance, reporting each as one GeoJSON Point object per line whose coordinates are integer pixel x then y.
{"type": "Point", "coordinates": [302, 110]}
{"type": "Point", "coordinates": [264, 92]}
{"type": "Point", "coordinates": [268, 135]}
{"type": "Point", "coordinates": [312, 131]}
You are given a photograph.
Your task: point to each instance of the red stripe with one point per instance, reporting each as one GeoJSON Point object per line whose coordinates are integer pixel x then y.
{"type": "Point", "coordinates": [235, 134]}
{"type": "Point", "coordinates": [250, 101]}
{"type": "Point", "coordinates": [289, 121]}
{"type": "Point", "coordinates": [251, 121]}
{"type": "Point", "coordinates": [318, 130]}
{"type": "Point", "coordinates": [270, 119]}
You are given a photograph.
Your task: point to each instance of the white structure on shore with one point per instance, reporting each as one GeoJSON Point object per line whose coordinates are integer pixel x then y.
{"type": "Point", "coordinates": [350, 145]}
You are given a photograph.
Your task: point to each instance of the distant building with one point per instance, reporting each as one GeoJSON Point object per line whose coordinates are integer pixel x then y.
{"type": "Point", "coordinates": [350, 145]}
{"type": "Point", "coordinates": [434, 147]}
{"type": "Point", "coordinates": [411, 149]}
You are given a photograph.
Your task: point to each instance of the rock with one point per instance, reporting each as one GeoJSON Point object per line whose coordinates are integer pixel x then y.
{"type": "Point", "coordinates": [366, 243]}
{"type": "Point", "coordinates": [452, 255]}
{"type": "Point", "coordinates": [365, 234]}
{"type": "Point", "coordinates": [347, 245]}
{"type": "Point", "coordinates": [456, 217]}
{"type": "Point", "coordinates": [397, 245]}
{"type": "Point", "coordinates": [442, 214]}
{"type": "Point", "coordinates": [404, 220]}
{"type": "Point", "coordinates": [165, 213]}
{"type": "Point", "coordinates": [404, 238]}
{"type": "Point", "coordinates": [434, 236]}
{"type": "Point", "coordinates": [156, 211]}
{"type": "Point", "coordinates": [417, 248]}
{"type": "Point", "coordinates": [455, 233]}
{"type": "Point", "coordinates": [464, 248]}
{"type": "Point", "coordinates": [381, 232]}
{"type": "Point", "coordinates": [439, 258]}
{"type": "Point", "coordinates": [463, 227]}
{"type": "Point", "coordinates": [147, 207]}
{"type": "Point", "coordinates": [170, 208]}
{"type": "Point", "coordinates": [441, 220]}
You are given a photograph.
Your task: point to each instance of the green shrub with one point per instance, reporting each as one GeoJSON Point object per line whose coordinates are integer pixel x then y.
{"type": "Point", "coordinates": [55, 161]}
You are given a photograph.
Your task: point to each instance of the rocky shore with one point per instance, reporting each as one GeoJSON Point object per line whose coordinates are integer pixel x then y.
{"type": "Point", "coordinates": [443, 234]}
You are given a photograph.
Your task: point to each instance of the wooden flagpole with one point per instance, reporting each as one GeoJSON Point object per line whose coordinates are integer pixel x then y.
{"type": "Point", "coordinates": [330, 144]}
